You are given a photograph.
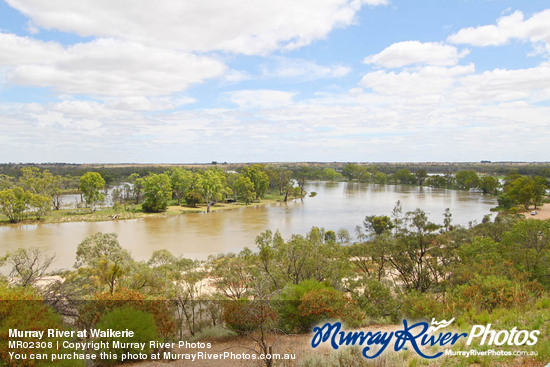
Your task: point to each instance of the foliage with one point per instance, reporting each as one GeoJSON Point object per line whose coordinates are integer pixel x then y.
{"type": "Point", "coordinates": [244, 316]}
{"type": "Point", "coordinates": [27, 265]}
{"type": "Point", "coordinates": [102, 260]}
{"type": "Point", "coordinates": [258, 177]}
{"type": "Point", "coordinates": [13, 203]}
{"type": "Point", "coordinates": [491, 292]}
{"type": "Point", "coordinates": [244, 188]}
{"type": "Point", "coordinates": [91, 186]}
{"type": "Point", "coordinates": [182, 181]}
{"type": "Point", "coordinates": [157, 191]}
{"type": "Point", "coordinates": [23, 310]}
{"type": "Point", "coordinates": [319, 305]}
{"type": "Point", "coordinates": [192, 198]}
{"type": "Point", "coordinates": [91, 311]}
{"type": "Point", "coordinates": [213, 333]}
{"type": "Point", "coordinates": [210, 184]}
{"type": "Point", "coordinates": [417, 306]}
{"type": "Point", "coordinates": [377, 224]}
{"type": "Point", "coordinates": [528, 245]}
{"type": "Point", "coordinates": [467, 179]}
{"type": "Point", "coordinates": [377, 299]}
{"type": "Point", "coordinates": [289, 301]}
{"type": "Point", "coordinates": [526, 190]}
{"type": "Point", "coordinates": [141, 323]}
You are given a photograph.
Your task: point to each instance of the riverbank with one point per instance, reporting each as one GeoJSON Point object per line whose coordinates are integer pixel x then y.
{"type": "Point", "coordinates": [102, 215]}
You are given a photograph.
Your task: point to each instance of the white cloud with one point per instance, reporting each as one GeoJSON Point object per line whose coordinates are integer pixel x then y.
{"type": "Point", "coordinates": [415, 52]}
{"type": "Point", "coordinates": [247, 26]}
{"type": "Point", "coordinates": [513, 26]}
{"type": "Point", "coordinates": [104, 67]}
{"type": "Point", "coordinates": [304, 69]}
{"type": "Point", "coordinates": [426, 81]}
{"type": "Point", "coordinates": [260, 98]}
{"type": "Point", "coordinates": [15, 50]}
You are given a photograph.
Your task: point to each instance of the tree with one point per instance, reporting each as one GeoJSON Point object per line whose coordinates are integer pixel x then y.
{"type": "Point", "coordinates": [488, 184]}
{"type": "Point", "coordinates": [39, 204]}
{"type": "Point", "coordinates": [257, 175]}
{"type": "Point", "coordinates": [210, 186]}
{"type": "Point", "coordinates": [467, 179]}
{"type": "Point", "coordinates": [91, 186]}
{"type": "Point", "coordinates": [136, 186]}
{"type": "Point", "coordinates": [27, 265]}
{"type": "Point", "coordinates": [245, 189]}
{"type": "Point", "coordinates": [421, 175]}
{"type": "Point", "coordinates": [101, 258]}
{"type": "Point", "coordinates": [13, 203]}
{"type": "Point", "coordinates": [330, 174]}
{"type": "Point", "coordinates": [157, 191]}
{"type": "Point", "coordinates": [409, 253]}
{"type": "Point", "coordinates": [193, 198]}
{"type": "Point", "coordinates": [528, 246]}
{"type": "Point", "coordinates": [377, 224]}
{"type": "Point", "coordinates": [181, 181]}
{"type": "Point", "coordinates": [38, 182]}
{"type": "Point", "coordinates": [526, 190]}
{"type": "Point", "coordinates": [404, 176]}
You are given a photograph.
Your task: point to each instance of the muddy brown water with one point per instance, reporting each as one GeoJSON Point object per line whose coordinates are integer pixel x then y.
{"type": "Point", "coordinates": [198, 235]}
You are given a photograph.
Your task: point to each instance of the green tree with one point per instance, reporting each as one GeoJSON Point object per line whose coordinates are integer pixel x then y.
{"type": "Point", "coordinates": [192, 198]}
{"type": "Point", "coordinates": [157, 191]}
{"type": "Point", "coordinates": [13, 203]}
{"type": "Point", "coordinates": [39, 204]}
{"type": "Point", "coordinates": [528, 246]}
{"type": "Point", "coordinates": [210, 185]}
{"type": "Point", "coordinates": [488, 184]}
{"type": "Point", "coordinates": [467, 179]}
{"type": "Point", "coordinates": [330, 174]}
{"type": "Point", "coordinates": [91, 186]}
{"type": "Point", "coordinates": [257, 175]}
{"type": "Point", "coordinates": [404, 176]}
{"type": "Point", "coordinates": [102, 260]}
{"type": "Point", "coordinates": [377, 224]}
{"type": "Point", "coordinates": [421, 175]}
{"type": "Point", "coordinates": [181, 181]}
{"type": "Point", "coordinates": [245, 189]}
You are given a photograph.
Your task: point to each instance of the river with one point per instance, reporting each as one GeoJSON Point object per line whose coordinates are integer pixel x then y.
{"type": "Point", "coordinates": [198, 235]}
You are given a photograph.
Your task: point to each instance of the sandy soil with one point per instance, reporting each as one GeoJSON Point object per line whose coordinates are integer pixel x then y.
{"type": "Point", "coordinates": [542, 213]}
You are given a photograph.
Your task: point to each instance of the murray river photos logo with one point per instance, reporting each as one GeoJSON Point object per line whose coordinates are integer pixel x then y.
{"type": "Point", "coordinates": [419, 335]}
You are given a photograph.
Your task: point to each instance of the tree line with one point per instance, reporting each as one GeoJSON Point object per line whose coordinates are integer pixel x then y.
{"type": "Point", "coordinates": [35, 192]}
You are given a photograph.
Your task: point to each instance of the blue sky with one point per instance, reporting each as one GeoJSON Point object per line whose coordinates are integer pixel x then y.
{"type": "Point", "coordinates": [263, 81]}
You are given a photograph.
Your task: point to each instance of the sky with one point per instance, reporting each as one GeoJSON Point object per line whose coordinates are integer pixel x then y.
{"type": "Point", "coordinates": [133, 81]}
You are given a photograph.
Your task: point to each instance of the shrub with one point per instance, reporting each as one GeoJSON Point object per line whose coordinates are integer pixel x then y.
{"type": "Point", "coordinates": [490, 292]}
{"type": "Point", "coordinates": [244, 316]}
{"type": "Point", "coordinates": [213, 333]}
{"type": "Point", "coordinates": [328, 304]}
{"type": "Point", "coordinates": [421, 306]}
{"type": "Point", "coordinates": [103, 302]}
{"type": "Point", "coordinates": [21, 309]}
{"type": "Point", "coordinates": [141, 323]}
{"type": "Point", "coordinates": [288, 302]}
{"type": "Point", "coordinates": [378, 301]}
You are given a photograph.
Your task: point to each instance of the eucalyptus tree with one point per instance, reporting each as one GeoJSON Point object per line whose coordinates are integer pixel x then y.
{"type": "Point", "coordinates": [211, 186]}
{"type": "Point", "coordinates": [91, 186]}
{"type": "Point", "coordinates": [157, 191]}
{"type": "Point", "coordinates": [182, 181]}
